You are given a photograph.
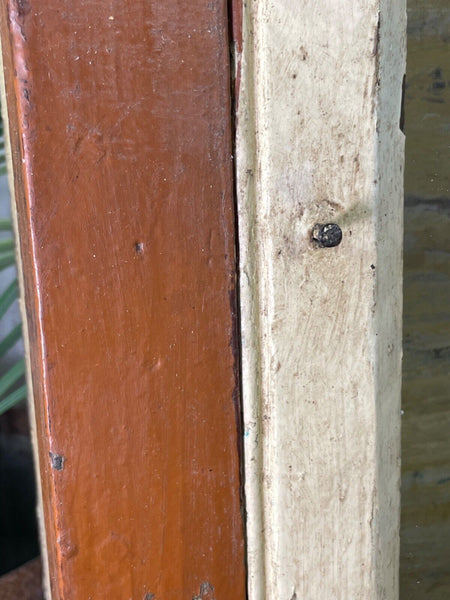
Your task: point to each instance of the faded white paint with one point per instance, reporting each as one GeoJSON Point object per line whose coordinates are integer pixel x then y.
{"type": "Point", "coordinates": [318, 141]}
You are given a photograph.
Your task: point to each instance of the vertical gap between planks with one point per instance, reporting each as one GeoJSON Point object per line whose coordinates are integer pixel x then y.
{"type": "Point", "coordinates": [246, 162]}
{"type": "Point", "coordinates": [234, 44]}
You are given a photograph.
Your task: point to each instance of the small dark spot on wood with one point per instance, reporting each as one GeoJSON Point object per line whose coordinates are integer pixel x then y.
{"type": "Point", "coordinates": [438, 85]}
{"type": "Point", "coordinates": [402, 106]}
{"type": "Point", "coordinates": [372, 267]}
{"type": "Point", "coordinates": [294, 596]}
{"type": "Point", "coordinates": [139, 247]}
{"type": "Point", "coordinates": [294, 76]}
{"type": "Point", "coordinates": [57, 461]}
{"type": "Point", "coordinates": [334, 205]}
{"type": "Point", "coordinates": [149, 596]}
{"type": "Point", "coordinates": [206, 592]}
{"type": "Point", "coordinates": [440, 353]}
{"type": "Point", "coordinates": [23, 7]}
{"type": "Point", "coordinates": [376, 42]}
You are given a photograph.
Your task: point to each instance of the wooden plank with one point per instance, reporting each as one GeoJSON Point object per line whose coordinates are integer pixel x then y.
{"type": "Point", "coordinates": [318, 141]}
{"type": "Point", "coordinates": [121, 141]}
{"type": "Point", "coordinates": [425, 526]}
{"type": "Point", "coordinates": [16, 184]}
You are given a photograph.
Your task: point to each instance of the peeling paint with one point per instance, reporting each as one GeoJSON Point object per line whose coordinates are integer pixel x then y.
{"type": "Point", "coordinates": [206, 592]}
{"type": "Point", "coordinates": [57, 461]}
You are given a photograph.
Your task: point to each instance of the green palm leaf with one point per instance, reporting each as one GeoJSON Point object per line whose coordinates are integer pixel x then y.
{"type": "Point", "coordinates": [13, 398]}
{"type": "Point", "coordinates": [10, 339]}
{"type": "Point", "coordinates": [12, 375]}
{"type": "Point", "coordinates": [8, 297]}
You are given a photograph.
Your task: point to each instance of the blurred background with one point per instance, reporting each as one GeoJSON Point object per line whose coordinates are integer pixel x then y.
{"type": "Point", "coordinates": [425, 531]}
{"type": "Point", "coordinates": [18, 531]}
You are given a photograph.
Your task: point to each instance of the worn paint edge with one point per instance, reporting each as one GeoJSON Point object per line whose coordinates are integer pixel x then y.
{"type": "Point", "coordinates": [25, 335]}
{"type": "Point", "coordinates": [16, 15]}
{"type": "Point", "coordinates": [249, 267]}
{"type": "Point", "coordinates": [387, 320]}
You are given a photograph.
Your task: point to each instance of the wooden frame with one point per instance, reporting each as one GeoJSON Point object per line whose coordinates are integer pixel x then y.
{"type": "Point", "coordinates": [319, 142]}
{"type": "Point", "coordinates": [121, 136]}
{"type": "Point", "coordinates": [120, 129]}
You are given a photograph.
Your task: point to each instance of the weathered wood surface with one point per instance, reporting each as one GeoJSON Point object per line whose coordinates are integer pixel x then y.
{"type": "Point", "coordinates": [318, 141]}
{"type": "Point", "coordinates": [121, 141]}
{"type": "Point", "coordinates": [425, 532]}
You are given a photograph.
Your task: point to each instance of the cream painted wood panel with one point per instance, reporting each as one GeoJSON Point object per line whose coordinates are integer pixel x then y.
{"type": "Point", "coordinates": [318, 141]}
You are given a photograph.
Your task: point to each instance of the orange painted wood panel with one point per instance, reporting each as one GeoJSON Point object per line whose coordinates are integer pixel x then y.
{"type": "Point", "coordinates": [121, 138]}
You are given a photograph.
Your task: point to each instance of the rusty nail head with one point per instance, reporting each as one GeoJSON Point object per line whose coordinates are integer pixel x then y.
{"type": "Point", "coordinates": [328, 235]}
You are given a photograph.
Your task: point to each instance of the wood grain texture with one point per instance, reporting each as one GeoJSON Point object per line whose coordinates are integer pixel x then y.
{"type": "Point", "coordinates": [121, 141]}
{"type": "Point", "coordinates": [318, 141]}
